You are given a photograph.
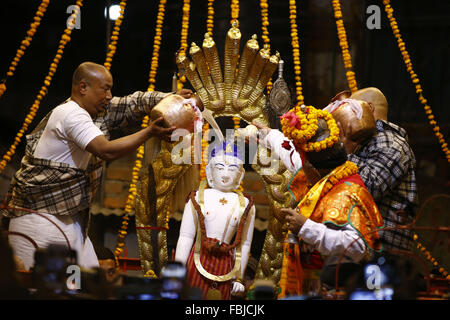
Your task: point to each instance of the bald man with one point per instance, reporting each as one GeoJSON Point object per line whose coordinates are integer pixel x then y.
{"type": "Point", "coordinates": [64, 157]}
{"type": "Point", "coordinates": [387, 166]}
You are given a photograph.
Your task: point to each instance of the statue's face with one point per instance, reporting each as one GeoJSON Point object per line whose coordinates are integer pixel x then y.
{"type": "Point", "coordinates": [224, 173]}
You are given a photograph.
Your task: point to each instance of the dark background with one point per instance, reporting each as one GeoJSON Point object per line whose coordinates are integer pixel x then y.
{"type": "Point", "coordinates": [377, 61]}
{"type": "Point", "coordinates": [424, 25]}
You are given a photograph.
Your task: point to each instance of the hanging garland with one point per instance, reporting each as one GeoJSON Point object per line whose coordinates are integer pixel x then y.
{"type": "Point", "coordinates": [344, 46]}
{"type": "Point", "coordinates": [414, 78]}
{"type": "Point", "coordinates": [25, 43]}
{"type": "Point", "coordinates": [235, 12]}
{"type": "Point", "coordinates": [206, 127]}
{"type": "Point", "coordinates": [140, 152]}
{"type": "Point", "coordinates": [65, 38]}
{"type": "Point", "coordinates": [184, 35]}
{"type": "Point", "coordinates": [115, 36]}
{"type": "Point", "coordinates": [265, 31]}
{"type": "Point", "coordinates": [428, 256]}
{"type": "Point", "coordinates": [296, 52]}
{"type": "Point", "coordinates": [210, 18]}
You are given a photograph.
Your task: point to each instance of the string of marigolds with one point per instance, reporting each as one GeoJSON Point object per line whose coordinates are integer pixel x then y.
{"type": "Point", "coordinates": [235, 12]}
{"type": "Point", "coordinates": [206, 127]}
{"type": "Point", "coordinates": [344, 46]}
{"type": "Point", "coordinates": [428, 256]}
{"type": "Point", "coordinates": [183, 38]}
{"type": "Point", "coordinates": [25, 43]}
{"type": "Point", "coordinates": [414, 78]}
{"type": "Point", "coordinates": [210, 18]}
{"type": "Point", "coordinates": [65, 38]}
{"type": "Point", "coordinates": [296, 52]}
{"type": "Point", "coordinates": [140, 152]}
{"type": "Point", "coordinates": [112, 47]}
{"type": "Point", "coordinates": [115, 36]}
{"type": "Point", "coordinates": [265, 31]}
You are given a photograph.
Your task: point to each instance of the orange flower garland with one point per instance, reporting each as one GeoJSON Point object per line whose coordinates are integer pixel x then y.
{"type": "Point", "coordinates": [346, 170]}
{"type": "Point", "coordinates": [306, 127]}
{"type": "Point", "coordinates": [210, 19]}
{"type": "Point", "coordinates": [428, 256]}
{"type": "Point", "coordinates": [205, 144]}
{"type": "Point", "coordinates": [344, 46]}
{"type": "Point", "coordinates": [25, 43]}
{"type": "Point", "coordinates": [415, 80]}
{"type": "Point", "coordinates": [115, 36]}
{"type": "Point", "coordinates": [235, 12]}
{"type": "Point", "coordinates": [308, 121]}
{"type": "Point", "coordinates": [65, 38]}
{"type": "Point", "coordinates": [184, 35]}
{"type": "Point", "coordinates": [265, 31]}
{"type": "Point", "coordinates": [328, 142]}
{"type": "Point", "coordinates": [140, 152]}
{"type": "Point", "coordinates": [296, 52]}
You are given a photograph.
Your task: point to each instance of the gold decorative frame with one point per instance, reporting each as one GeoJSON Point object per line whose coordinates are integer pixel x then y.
{"type": "Point", "coordinates": [238, 92]}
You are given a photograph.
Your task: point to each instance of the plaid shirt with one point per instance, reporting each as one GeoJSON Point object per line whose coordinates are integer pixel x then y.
{"type": "Point", "coordinates": [60, 189]}
{"type": "Point", "coordinates": [387, 166]}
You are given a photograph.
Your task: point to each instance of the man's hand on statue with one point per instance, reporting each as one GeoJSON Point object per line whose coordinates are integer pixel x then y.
{"type": "Point", "coordinates": [294, 220]}
{"type": "Point", "coordinates": [263, 131]}
{"type": "Point", "coordinates": [237, 289]}
{"type": "Point", "coordinates": [344, 136]}
{"type": "Point", "coordinates": [185, 93]}
{"type": "Point", "coordinates": [158, 131]}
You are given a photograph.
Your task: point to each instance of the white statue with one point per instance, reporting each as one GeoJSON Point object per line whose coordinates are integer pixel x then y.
{"type": "Point", "coordinates": [217, 228]}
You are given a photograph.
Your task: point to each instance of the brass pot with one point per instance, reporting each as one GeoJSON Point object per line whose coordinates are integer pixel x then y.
{"type": "Point", "coordinates": [175, 113]}
{"type": "Point", "coordinates": [358, 129]}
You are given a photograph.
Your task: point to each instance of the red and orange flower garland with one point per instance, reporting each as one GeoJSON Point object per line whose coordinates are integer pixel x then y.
{"type": "Point", "coordinates": [344, 46]}
{"type": "Point", "coordinates": [65, 38]}
{"type": "Point", "coordinates": [25, 42]}
{"type": "Point", "coordinates": [414, 78]}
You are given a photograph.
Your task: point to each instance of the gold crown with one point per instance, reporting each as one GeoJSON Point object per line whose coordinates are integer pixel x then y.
{"type": "Point", "coordinates": [239, 90]}
{"type": "Point", "coordinates": [300, 124]}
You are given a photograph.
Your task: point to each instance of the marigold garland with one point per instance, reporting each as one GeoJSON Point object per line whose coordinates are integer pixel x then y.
{"type": "Point", "coordinates": [296, 52]}
{"type": "Point", "coordinates": [65, 38]}
{"type": "Point", "coordinates": [25, 43]}
{"type": "Point", "coordinates": [210, 18]}
{"type": "Point", "coordinates": [346, 170]}
{"type": "Point", "coordinates": [235, 13]}
{"type": "Point", "coordinates": [184, 35]}
{"type": "Point", "coordinates": [306, 125]}
{"type": "Point", "coordinates": [265, 31]}
{"type": "Point", "coordinates": [141, 150]}
{"type": "Point", "coordinates": [115, 36]}
{"type": "Point", "coordinates": [344, 46]}
{"type": "Point", "coordinates": [431, 259]}
{"type": "Point", "coordinates": [414, 78]}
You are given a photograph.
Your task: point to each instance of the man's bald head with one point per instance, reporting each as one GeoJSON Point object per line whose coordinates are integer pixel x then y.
{"type": "Point", "coordinates": [88, 71]}
{"type": "Point", "coordinates": [376, 98]}
{"type": "Point", "coordinates": [91, 87]}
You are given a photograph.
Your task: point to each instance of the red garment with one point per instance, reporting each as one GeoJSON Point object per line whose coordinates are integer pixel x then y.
{"type": "Point", "coordinates": [216, 265]}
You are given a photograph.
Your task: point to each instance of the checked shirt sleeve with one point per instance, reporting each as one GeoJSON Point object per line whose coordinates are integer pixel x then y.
{"type": "Point", "coordinates": [383, 165]}
{"type": "Point", "coordinates": [128, 112]}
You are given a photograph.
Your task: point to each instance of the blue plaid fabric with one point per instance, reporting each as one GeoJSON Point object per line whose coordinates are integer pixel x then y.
{"type": "Point", "coordinates": [387, 166]}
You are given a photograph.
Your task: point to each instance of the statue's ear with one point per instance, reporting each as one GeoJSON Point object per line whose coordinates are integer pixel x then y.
{"type": "Point", "coordinates": [208, 172]}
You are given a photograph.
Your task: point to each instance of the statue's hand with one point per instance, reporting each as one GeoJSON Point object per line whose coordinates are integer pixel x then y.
{"type": "Point", "coordinates": [237, 288]}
